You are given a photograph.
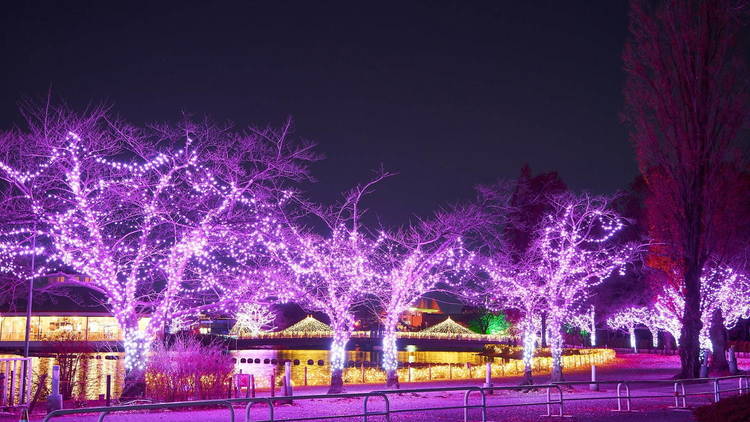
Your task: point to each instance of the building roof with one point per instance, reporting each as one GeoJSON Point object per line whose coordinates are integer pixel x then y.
{"type": "Point", "coordinates": [449, 326]}
{"type": "Point", "coordinates": [308, 325]}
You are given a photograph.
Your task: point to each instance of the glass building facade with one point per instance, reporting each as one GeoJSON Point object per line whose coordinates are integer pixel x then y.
{"type": "Point", "coordinates": [59, 327]}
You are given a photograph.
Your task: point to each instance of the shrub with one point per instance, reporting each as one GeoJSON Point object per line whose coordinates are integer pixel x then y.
{"type": "Point", "coordinates": [187, 369]}
{"type": "Point", "coordinates": [732, 409]}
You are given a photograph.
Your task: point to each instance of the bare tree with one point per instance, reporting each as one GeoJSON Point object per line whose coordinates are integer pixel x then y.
{"type": "Point", "coordinates": [331, 273]}
{"type": "Point", "coordinates": [574, 249]}
{"type": "Point", "coordinates": [415, 261]}
{"type": "Point", "coordinates": [511, 283]}
{"type": "Point", "coordinates": [150, 216]}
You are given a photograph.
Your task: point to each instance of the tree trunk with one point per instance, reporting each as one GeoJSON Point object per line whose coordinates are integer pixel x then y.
{"type": "Point", "coordinates": [338, 361]}
{"type": "Point", "coordinates": [135, 384]}
{"type": "Point", "coordinates": [654, 337]}
{"type": "Point", "coordinates": [529, 340]}
{"type": "Point", "coordinates": [544, 329]}
{"type": "Point", "coordinates": [556, 349]}
{"type": "Point", "coordinates": [390, 358]}
{"type": "Point", "coordinates": [337, 381]}
{"type": "Point", "coordinates": [719, 364]}
{"type": "Point", "coordinates": [136, 349]}
{"type": "Point", "coordinates": [691, 324]}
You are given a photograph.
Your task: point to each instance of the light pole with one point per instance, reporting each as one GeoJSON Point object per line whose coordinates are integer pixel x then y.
{"type": "Point", "coordinates": [29, 303]}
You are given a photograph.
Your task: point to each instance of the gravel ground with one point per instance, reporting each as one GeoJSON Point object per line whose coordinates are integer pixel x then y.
{"type": "Point", "coordinates": [580, 403]}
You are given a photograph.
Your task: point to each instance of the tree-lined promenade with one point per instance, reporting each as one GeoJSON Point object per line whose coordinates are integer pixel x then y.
{"type": "Point", "coordinates": [194, 218]}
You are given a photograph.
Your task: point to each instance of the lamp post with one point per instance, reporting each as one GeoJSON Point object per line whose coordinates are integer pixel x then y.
{"type": "Point", "coordinates": [29, 302]}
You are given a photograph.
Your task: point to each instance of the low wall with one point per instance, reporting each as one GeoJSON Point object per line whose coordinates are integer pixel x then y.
{"type": "Point", "coordinates": [366, 373]}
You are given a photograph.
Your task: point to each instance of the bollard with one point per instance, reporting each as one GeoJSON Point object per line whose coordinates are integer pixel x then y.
{"type": "Point", "coordinates": [288, 378]}
{"type": "Point", "coordinates": [362, 366]}
{"type": "Point", "coordinates": [704, 367]}
{"type": "Point", "coordinates": [488, 377]}
{"type": "Point", "coordinates": [450, 371]}
{"type": "Point", "coordinates": [305, 375]}
{"type": "Point", "coordinates": [252, 385]}
{"type": "Point", "coordinates": [54, 400]}
{"type": "Point", "coordinates": [429, 370]}
{"type": "Point", "coordinates": [108, 396]}
{"type": "Point", "coordinates": [732, 361]}
{"type": "Point", "coordinates": [287, 384]}
{"type": "Point", "coordinates": [593, 386]}
{"type": "Point", "coordinates": [273, 385]}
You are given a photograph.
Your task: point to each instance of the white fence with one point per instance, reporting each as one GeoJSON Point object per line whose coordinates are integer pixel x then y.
{"type": "Point", "coordinates": [15, 385]}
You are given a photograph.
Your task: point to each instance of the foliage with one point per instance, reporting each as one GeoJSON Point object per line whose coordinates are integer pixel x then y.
{"type": "Point", "coordinates": [186, 369]}
{"type": "Point", "coordinates": [491, 323]}
{"type": "Point", "coordinates": [252, 319]}
{"type": "Point", "coordinates": [732, 409]}
{"type": "Point", "coordinates": [69, 352]}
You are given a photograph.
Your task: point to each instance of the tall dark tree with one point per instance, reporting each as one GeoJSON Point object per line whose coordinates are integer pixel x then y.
{"type": "Point", "coordinates": [529, 203]}
{"type": "Point", "coordinates": [686, 99]}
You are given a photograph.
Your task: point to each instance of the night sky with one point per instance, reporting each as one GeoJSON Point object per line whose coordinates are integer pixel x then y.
{"type": "Point", "coordinates": [449, 95]}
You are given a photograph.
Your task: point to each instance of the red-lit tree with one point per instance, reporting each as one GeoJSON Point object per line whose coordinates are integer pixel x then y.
{"type": "Point", "coordinates": [686, 98]}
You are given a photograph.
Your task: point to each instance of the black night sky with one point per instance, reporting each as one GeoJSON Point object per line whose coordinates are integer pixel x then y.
{"type": "Point", "coordinates": [448, 94]}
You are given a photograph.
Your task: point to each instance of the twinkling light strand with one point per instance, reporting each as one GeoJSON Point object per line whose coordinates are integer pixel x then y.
{"type": "Point", "coordinates": [172, 231]}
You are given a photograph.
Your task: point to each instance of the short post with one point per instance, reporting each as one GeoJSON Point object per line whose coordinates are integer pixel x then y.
{"type": "Point", "coordinates": [450, 371]}
{"type": "Point", "coordinates": [362, 367]}
{"type": "Point", "coordinates": [409, 371]}
{"type": "Point", "coordinates": [54, 400]}
{"type": "Point", "coordinates": [252, 385]}
{"type": "Point", "coordinates": [429, 371]}
{"type": "Point", "coordinates": [108, 396]}
{"type": "Point", "coordinates": [288, 378]}
{"type": "Point", "coordinates": [305, 375]}
{"type": "Point", "coordinates": [704, 364]}
{"type": "Point", "coordinates": [593, 386]}
{"type": "Point", "coordinates": [732, 361]}
{"type": "Point", "coordinates": [488, 377]}
{"type": "Point", "coordinates": [273, 385]}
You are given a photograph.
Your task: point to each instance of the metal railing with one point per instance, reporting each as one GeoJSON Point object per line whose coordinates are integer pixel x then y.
{"type": "Point", "coordinates": [104, 411]}
{"type": "Point", "coordinates": [623, 396]}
